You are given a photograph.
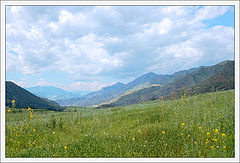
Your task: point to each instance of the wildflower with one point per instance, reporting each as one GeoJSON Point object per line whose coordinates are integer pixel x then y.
{"type": "Point", "coordinates": [9, 110]}
{"type": "Point", "coordinates": [139, 130]}
{"type": "Point", "coordinates": [212, 146]}
{"type": "Point", "coordinates": [34, 130]}
{"type": "Point", "coordinates": [181, 134]}
{"type": "Point", "coordinates": [144, 145]}
{"type": "Point", "coordinates": [31, 116]}
{"type": "Point", "coordinates": [182, 124]}
{"type": "Point", "coordinates": [13, 101]}
{"type": "Point", "coordinates": [208, 133]}
{"type": "Point", "coordinates": [53, 133]}
{"type": "Point", "coordinates": [214, 108]}
{"type": "Point", "coordinates": [195, 142]}
{"type": "Point", "coordinates": [163, 132]}
{"type": "Point", "coordinates": [214, 139]}
{"type": "Point", "coordinates": [199, 127]}
{"type": "Point", "coordinates": [65, 147]}
{"type": "Point", "coordinates": [224, 146]}
{"type": "Point", "coordinates": [54, 155]}
{"type": "Point", "coordinates": [223, 134]}
{"type": "Point", "coordinates": [188, 135]}
{"type": "Point", "coordinates": [216, 130]}
{"type": "Point", "coordinates": [181, 96]}
{"type": "Point", "coordinates": [29, 109]}
{"type": "Point", "coordinates": [133, 139]}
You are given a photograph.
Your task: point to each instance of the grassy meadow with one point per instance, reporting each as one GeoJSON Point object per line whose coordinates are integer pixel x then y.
{"type": "Point", "coordinates": [195, 126]}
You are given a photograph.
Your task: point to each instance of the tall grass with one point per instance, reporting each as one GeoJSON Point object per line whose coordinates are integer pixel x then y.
{"type": "Point", "coordinates": [196, 126]}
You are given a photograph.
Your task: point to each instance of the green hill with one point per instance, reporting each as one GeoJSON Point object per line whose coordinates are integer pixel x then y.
{"type": "Point", "coordinates": [24, 99]}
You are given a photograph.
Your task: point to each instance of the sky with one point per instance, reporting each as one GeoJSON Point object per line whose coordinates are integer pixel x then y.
{"type": "Point", "coordinates": [85, 48]}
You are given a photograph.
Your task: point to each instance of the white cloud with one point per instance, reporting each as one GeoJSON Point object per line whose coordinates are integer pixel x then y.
{"type": "Point", "coordinates": [117, 41]}
{"type": "Point", "coordinates": [16, 10]}
{"type": "Point", "coordinates": [210, 12]}
{"type": "Point", "coordinates": [87, 86]}
{"type": "Point", "coordinates": [160, 27]}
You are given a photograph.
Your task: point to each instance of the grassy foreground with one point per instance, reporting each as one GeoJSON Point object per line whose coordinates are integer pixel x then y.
{"type": "Point", "coordinates": [196, 126]}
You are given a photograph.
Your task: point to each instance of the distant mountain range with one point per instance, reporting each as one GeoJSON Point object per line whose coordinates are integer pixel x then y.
{"type": "Point", "coordinates": [25, 99]}
{"type": "Point", "coordinates": [204, 79]}
{"type": "Point", "coordinates": [152, 86]}
{"type": "Point", "coordinates": [54, 93]}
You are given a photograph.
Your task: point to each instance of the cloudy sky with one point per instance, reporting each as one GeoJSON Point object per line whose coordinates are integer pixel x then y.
{"type": "Point", "coordinates": [84, 48]}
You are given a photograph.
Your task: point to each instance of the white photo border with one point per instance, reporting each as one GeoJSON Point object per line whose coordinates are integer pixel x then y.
{"type": "Point", "coordinates": [122, 3]}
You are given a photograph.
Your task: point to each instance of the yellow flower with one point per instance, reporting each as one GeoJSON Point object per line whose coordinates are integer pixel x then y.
{"type": "Point", "coordinates": [29, 109]}
{"type": "Point", "coordinates": [188, 135]}
{"type": "Point", "coordinates": [163, 132]}
{"type": "Point", "coordinates": [139, 130]}
{"type": "Point", "coordinates": [216, 130]}
{"type": "Point", "coordinates": [13, 101]}
{"type": "Point", "coordinates": [182, 134]}
{"type": "Point", "coordinates": [181, 96]}
{"type": "Point", "coordinates": [214, 139]}
{"type": "Point", "coordinates": [223, 135]}
{"type": "Point", "coordinates": [53, 133]}
{"type": "Point", "coordinates": [34, 130]}
{"type": "Point", "coordinates": [224, 146]}
{"type": "Point", "coordinates": [182, 123]}
{"type": "Point", "coordinates": [54, 155]}
{"type": "Point", "coordinates": [65, 147]}
{"type": "Point", "coordinates": [133, 139]}
{"type": "Point", "coordinates": [9, 110]}
{"type": "Point", "coordinates": [208, 133]}
{"type": "Point", "coordinates": [199, 127]}
{"type": "Point", "coordinates": [31, 116]}
{"type": "Point", "coordinates": [212, 146]}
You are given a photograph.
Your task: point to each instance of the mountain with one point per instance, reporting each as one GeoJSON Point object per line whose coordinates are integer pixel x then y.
{"type": "Point", "coordinates": [105, 94]}
{"type": "Point", "coordinates": [109, 93]}
{"type": "Point", "coordinates": [24, 99]}
{"type": "Point", "coordinates": [53, 93]}
{"type": "Point", "coordinates": [204, 79]}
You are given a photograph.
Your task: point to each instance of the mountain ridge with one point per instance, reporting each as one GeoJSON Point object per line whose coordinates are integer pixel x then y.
{"type": "Point", "coordinates": [219, 76]}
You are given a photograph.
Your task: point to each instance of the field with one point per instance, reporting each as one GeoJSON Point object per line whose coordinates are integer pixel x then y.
{"type": "Point", "coordinates": [195, 126]}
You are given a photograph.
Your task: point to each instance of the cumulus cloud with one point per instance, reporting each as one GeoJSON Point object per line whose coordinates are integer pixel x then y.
{"type": "Point", "coordinates": [100, 43]}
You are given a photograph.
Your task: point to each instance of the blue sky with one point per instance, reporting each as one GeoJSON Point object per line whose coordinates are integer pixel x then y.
{"type": "Point", "coordinates": [85, 48]}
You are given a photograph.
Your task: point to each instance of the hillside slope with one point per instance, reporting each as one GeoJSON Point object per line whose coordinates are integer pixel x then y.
{"type": "Point", "coordinates": [205, 79]}
{"type": "Point", "coordinates": [24, 99]}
